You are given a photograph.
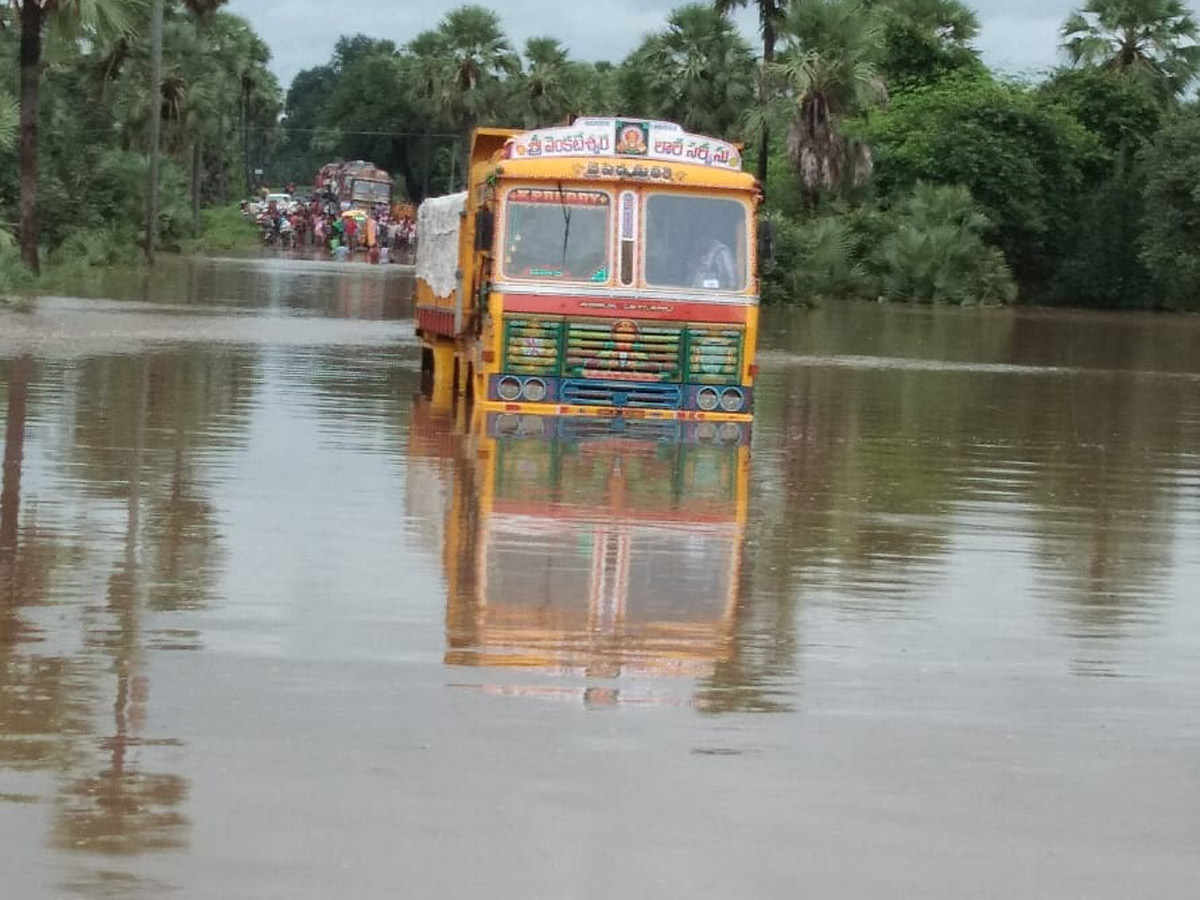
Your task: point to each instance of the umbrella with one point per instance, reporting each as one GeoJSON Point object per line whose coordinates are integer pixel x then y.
{"type": "Point", "coordinates": [354, 214]}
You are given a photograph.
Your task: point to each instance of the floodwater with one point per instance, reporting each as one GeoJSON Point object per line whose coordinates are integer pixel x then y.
{"type": "Point", "coordinates": [271, 626]}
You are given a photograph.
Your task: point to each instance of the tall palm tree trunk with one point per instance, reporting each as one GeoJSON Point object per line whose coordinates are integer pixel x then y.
{"type": "Point", "coordinates": [197, 165]}
{"type": "Point", "coordinates": [764, 140]}
{"type": "Point", "coordinates": [156, 50]}
{"type": "Point", "coordinates": [32, 17]}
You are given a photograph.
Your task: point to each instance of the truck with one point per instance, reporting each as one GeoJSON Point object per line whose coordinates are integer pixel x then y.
{"type": "Point", "coordinates": [607, 268]}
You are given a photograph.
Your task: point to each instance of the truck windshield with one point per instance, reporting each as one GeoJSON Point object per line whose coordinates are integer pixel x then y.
{"type": "Point", "coordinates": [695, 242]}
{"type": "Point", "coordinates": [371, 191]}
{"type": "Point", "coordinates": [554, 234]}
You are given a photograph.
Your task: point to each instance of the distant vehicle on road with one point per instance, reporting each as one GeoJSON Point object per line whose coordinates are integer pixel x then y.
{"type": "Point", "coordinates": [353, 185]}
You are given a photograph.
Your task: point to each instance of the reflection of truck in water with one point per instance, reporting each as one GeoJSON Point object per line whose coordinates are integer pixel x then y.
{"type": "Point", "coordinates": [353, 185]}
{"type": "Point", "coordinates": [588, 553]}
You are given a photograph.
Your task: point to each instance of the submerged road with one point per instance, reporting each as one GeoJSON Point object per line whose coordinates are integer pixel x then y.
{"type": "Point", "coordinates": [273, 627]}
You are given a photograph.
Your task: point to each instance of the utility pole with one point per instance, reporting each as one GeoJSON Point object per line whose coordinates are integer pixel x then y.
{"type": "Point", "coordinates": [156, 77]}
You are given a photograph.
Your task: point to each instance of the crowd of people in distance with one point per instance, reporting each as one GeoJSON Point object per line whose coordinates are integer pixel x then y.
{"type": "Point", "coordinates": [313, 223]}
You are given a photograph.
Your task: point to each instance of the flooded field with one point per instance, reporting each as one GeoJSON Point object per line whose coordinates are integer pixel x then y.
{"type": "Point", "coordinates": [271, 626]}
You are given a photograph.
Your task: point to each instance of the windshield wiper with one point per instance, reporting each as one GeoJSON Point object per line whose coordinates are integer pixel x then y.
{"type": "Point", "coordinates": [562, 201]}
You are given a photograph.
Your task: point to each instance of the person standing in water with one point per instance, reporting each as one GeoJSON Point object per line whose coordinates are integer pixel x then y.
{"type": "Point", "coordinates": [372, 239]}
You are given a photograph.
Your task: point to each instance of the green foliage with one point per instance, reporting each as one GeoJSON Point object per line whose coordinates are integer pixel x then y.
{"type": "Point", "coordinates": [815, 259]}
{"type": "Point", "coordinates": [1170, 242]}
{"type": "Point", "coordinates": [934, 252]}
{"type": "Point", "coordinates": [553, 86]}
{"type": "Point", "coordinates": [926, 40]}
{"type": "Point", "coordinates": [1154, 41]}
{"type": "Point", "coordinates": [1101, 264]}
{"type": "Point", "coordinates": [697, 71]}
{"type": "Point", "coordinates": [8, 122]}
{"type": "Point", "coordinates": [827, 71]}
{"type": "Point", "coordinates": [14, 276]}
{"type": "Point", "coordinates": [927, 248]}
{"type": "Point", "coordinates": [224, 228]}
{"type": "Point", "coordinates": [903, 169]}
{"type": "Point", "coordinates": [1121, 112]}
{"type": "Point", "coordinates": [1023, 160]}
{"type": "Point", "coordinates": [220, 106]}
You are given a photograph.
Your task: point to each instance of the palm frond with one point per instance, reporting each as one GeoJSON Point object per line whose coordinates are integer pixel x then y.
{"type": "Point", "coordinates": [8, 122]}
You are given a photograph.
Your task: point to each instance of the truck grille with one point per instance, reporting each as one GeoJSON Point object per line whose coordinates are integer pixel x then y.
{"type": "Point", "coordinates": [531, 346]}
{"type": "Point", "coordinates": [714, 355]}
{"type": "Point", "coordinates": [621, 394]}
{"type": "Point", "coordinates": [623, 350]}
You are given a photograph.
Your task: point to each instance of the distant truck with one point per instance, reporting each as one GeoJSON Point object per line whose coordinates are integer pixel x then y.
{"type": "Point", "coordinates": [353, 185]}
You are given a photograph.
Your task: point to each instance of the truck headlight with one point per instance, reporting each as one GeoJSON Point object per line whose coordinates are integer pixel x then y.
{"type": "Point", "coordinates": [534, 390]}
{"type": "Point", "coordinates": [509, 388]}
{"type": "Point", "coordinates": [732, 400]}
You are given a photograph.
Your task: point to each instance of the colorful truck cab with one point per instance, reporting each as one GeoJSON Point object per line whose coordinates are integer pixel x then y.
{"type": "Point", "coordinates": [607, 268]}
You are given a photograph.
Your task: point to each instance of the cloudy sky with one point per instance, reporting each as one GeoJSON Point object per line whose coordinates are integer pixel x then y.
{"type": "Point", "coordinates": [1017, 35]}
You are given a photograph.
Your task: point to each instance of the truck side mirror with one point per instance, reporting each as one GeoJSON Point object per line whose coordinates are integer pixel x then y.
{"type": "Point", "coordinates": [485, 229]}
{"type": "Point", "coordinates": [766, 241]}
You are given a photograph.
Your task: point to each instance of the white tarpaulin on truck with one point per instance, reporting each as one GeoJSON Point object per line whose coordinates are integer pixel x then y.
{"type": "Point", "coordinates": [438, 222]}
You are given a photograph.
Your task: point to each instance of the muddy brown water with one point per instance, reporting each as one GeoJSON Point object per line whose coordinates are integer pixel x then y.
{"type": "Point", "coordinates": [271, 626]}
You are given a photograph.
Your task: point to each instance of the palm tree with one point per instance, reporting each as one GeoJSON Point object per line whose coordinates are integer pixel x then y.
{"type": "Point", "coordinates": [476, 59]}
{"type": "Point", "coordinates": [949, 20]}
{"type": "Point", "coordinates": [601, 88]}
{"type": "Point", "coordinates": [697, 72]}
{"type": "Point", "coordinates": [936, 252]}
{"type": "Point", "coordinates": [203, 8]}
{"type": "Point", "coordinates": [1151, 39]}
{"type": "Point", "coordinates": [88, 17]}
{"type": "Point", "coordinates": [200, 9]}
{"type": "Point", "coordinates": [8, 121]}
{"type": "Point", "coordinates": [926, 39]}
{"type": "Point", "coordinates": [829, 70]}
{"type": "Point", "coordinates": [771, 14]}
{"type": "Point", "coordinates": [549, 91]}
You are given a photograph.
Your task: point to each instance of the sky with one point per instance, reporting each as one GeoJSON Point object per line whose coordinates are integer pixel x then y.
{"type": "Point", "coordinates": [1016, 36]}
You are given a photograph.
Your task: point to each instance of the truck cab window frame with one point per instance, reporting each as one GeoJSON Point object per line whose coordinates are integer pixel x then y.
{"type": "Point", "coordinates": [695, 242]}
{"type": "Point", "coordinates": [557, 234]}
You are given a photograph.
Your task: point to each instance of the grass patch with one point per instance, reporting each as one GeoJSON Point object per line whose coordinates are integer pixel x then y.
{"type": "Point", "coordinates": [223, 228]}
{"type": "Point", "coordinates": [16, 281]}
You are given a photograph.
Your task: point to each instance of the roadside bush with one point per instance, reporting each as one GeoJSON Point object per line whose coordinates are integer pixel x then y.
{"type": "Point", "coordinates": [14, 277]}
{"type": "Point", "coordinates": [224, 228]}
{"type": "Point", "coordinates": [927, 248]}
{"type": "Point", "coordinates": [816, 259]}
{"type": "Point", "coordinates": [934, 252]}
{"type": "Point", "coordinates": [1170, 242]}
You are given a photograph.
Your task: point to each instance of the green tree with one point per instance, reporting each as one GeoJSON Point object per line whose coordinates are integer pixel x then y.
{"type": "Point", "coordinates": [1155, 40]}
{"type": "Point", "coordinates": [474, 59]}
{"type": "Point", "coordinates": [87, 17]}
{"type": "Point", "coordinates": [1171, 227]}
{"type": "Point", "coordinates": [601, 90]}
{"type": "Point", "coordinates": [829, 70]}
{"type": "Point", "coordinates": [697, 71]}
{"type": "Point", "coordinates": [1121, 112]}
{"type": "Point", "coordinates": [9, 116]}
{"type": "Point", "coordinates": [935, 251]}
{"type": "Point", "coordinates": [1023, 160]}
{"type": "Point", "coordinates": [924, 40]}
{"type": "Point", "coordinates": [551, 87]}
{"type": "Point", "coordinates": [1101, 264]}
{"type": "Point", "coordinates": [770, 18]}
